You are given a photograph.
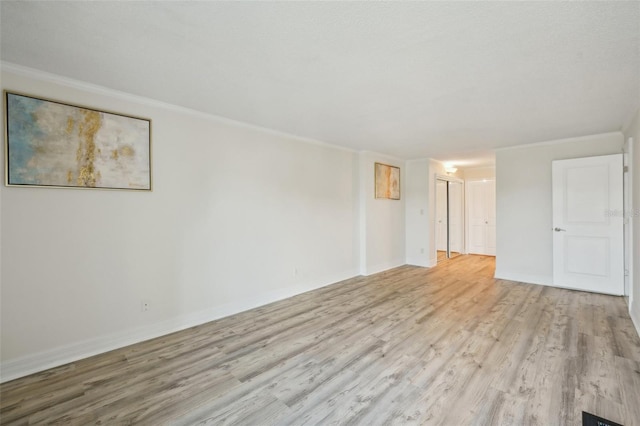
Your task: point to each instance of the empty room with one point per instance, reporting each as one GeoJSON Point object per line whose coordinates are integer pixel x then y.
{"type": "Point", "coordinates": [315, 213]}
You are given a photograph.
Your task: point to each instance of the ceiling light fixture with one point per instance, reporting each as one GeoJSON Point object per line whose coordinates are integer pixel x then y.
{"type": "Point", "coordinates": [450, 169]}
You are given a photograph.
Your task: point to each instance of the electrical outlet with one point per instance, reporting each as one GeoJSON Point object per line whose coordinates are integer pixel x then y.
{"type": "Point", "coordinates": [145, 305]}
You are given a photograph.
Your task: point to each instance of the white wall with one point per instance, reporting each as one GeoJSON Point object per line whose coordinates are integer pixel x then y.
{"type": "Point", "coordinates": [634, 308]}
{"type": "Point", "coordinates": [435, 168]}
{"type": "Point", "coordinates": [524, 211]}
{"type": "Point", "coordinates": [417, 212]}
{"type": "Point", "coordinates": [421, 210]}
{"type": "Point", "coordinates": [238, 217]}
{"type": "Point", "coordinates": [382, 221]}
{"type": "Point", "coordinates": [421, 206]}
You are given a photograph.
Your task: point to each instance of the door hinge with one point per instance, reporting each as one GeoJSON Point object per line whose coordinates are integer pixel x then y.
{"type": "Point", "coordinates": [625, 169]}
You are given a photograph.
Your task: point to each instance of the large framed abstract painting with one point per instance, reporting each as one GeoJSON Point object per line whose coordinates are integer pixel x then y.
{"type": "Point", "coordinates": [55, 144]}
{"type": "Point", "coordinates": [387, 181]}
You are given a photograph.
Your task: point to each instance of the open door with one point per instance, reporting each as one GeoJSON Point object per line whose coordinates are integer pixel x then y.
{"type": "Point", "coordinates": [588, 238]}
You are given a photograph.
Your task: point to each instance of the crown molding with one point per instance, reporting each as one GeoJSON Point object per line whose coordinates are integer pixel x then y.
{"type": "Point", "coordinates": [40, 75]}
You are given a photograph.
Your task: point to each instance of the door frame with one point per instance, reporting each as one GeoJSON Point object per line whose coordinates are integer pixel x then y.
{"type": "Point", "coordinates": [447, 178]}
{"type": "Point", "coordinates": [628, 218]}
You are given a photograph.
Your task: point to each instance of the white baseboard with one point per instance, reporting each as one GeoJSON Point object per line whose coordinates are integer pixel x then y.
{"type": "Point", "coordinates": [419, 262]}
{"type": "Point", "coordinates": [383, 267]}
{"type": "Point", "coordinates": [524, 278]}
{"type": "Point", "coordinates": [33, 363]}
{"type": "Point", "coordinates": [540, 280]}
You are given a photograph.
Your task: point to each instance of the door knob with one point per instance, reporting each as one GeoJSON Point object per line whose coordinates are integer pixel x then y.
{"type": "Point", "coordinates": [559, 229]}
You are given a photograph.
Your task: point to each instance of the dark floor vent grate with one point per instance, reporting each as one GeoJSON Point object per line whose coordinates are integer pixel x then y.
{"type": "Point", "coordinates": [591, 420]}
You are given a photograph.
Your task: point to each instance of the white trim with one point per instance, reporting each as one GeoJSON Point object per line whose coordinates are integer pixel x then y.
{"type": "Point", "coordinates": [540, 280]}
{"type": "Point", "coordinates": [61, 355]}
{"type": "Point", "coordinates": [557, 141]}
{"type": "Point", "coordinates": [448, 178]}
{"type": "Point", "coordinates": [628, 193]}
{"type": "Point", "coordinates": [425, 263]}
{"type": "Point", "coordinates": [385, 266]}
{"type": "Point", "coordinates": [525, 281]}
{"type": "Point", "coordinates": [105, 91]}
{"type": "Point", "coordinates": [386, 157]}
{"type": "Point", "coordinates": [487, 179]}
{"type": "Point", "coordinates": [525, 278]}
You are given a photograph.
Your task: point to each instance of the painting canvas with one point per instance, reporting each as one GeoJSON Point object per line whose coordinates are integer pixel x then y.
{"type": "Point", "coordinates": [387, 181]}
{"type": "Point", "coordinates": [55, 144]}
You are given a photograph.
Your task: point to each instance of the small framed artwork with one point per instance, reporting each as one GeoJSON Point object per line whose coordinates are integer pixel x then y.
{"type": "Point", "coordinates": [55, 144]}
{"type": "Point", "coordinates": [387, 181]}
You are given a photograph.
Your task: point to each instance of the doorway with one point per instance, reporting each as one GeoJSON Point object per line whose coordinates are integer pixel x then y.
{"type": "Point", "coordinates": [588, 230]}
{"type": "Point", "coordinates": [449, 217]}
{"type": "Point", "coordinates": [628, 221]}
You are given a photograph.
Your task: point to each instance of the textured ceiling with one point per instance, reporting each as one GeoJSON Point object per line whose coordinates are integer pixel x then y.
{"type": "Point", "coordinates": [447, 80]}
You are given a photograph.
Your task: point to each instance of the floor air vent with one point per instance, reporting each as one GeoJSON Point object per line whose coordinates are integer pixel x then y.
{"type": "Point", "coordinates": [591, 420]}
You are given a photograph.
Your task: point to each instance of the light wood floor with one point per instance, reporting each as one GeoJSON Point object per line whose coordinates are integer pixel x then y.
{"type": "Point", "coordinates": [442, 256]}
{"type": "Point", "coordinates": [448, 345]}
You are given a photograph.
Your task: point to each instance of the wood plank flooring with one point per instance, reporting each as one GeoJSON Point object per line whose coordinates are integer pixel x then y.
{"type": "Point", "coordinates": [444, 346]}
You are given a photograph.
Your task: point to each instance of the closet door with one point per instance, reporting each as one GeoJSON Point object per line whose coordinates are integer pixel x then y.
{"type": "Point", "coordinates": [481, 211]}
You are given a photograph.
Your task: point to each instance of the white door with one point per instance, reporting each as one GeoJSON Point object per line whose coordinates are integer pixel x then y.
{"type": "Point", "coordinates": [588, 244]}
{"type": "Point", "coordinates": [481, 211]}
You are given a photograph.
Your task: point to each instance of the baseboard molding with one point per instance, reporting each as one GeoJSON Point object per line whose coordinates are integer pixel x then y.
{"type": "Point", "coordinates": [419, 262]}
{"type": "Point", "coordinates": [524, 278]}
{"type": "Point", "coordinates": [383, 267]}
{"type": "Point", "coordinates": [541, 280]}
{"type": "Point", "coordinates": [20, 367]}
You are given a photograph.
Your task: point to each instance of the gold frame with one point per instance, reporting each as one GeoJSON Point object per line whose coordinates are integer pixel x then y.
{"type": "Point", "coordinates": [383, 188]}
{"type": "Point", "coordinates": [5, 96]}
